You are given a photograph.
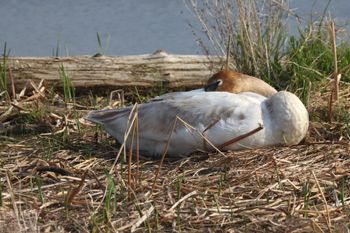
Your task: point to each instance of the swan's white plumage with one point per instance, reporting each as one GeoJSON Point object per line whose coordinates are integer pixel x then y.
{"type": "Point", "coordinates": [283, 116]}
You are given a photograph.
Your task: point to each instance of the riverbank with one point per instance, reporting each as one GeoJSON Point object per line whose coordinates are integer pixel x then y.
{"type": "Point", "coordinates": [60, 173]}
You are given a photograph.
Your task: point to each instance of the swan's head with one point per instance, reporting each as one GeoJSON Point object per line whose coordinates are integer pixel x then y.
{"type": "Point", "coordinates": [230, 81]}
{"type": "Point", "coordinates": [289, 117]}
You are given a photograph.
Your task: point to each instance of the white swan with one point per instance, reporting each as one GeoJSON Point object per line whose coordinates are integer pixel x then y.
{"type": "Point", "coordinates": [283, 116]}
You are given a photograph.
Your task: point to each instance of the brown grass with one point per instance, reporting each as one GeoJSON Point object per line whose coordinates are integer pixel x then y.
{"type": "Point", "coordinates": [55, 179]}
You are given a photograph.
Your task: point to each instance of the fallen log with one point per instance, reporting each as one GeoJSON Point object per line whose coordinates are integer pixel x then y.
{"type": "Point", "coordinates": [160, 68]}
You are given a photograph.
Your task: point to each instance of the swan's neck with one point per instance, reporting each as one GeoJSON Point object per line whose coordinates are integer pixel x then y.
{"type": "Point", "coordinates": [258, 86]}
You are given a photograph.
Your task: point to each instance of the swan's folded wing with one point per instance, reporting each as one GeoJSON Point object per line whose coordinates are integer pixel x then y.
{"type": "Point", "coordinates": [177, 95]}
{"type": "Point", "coordinates": [156, 118]}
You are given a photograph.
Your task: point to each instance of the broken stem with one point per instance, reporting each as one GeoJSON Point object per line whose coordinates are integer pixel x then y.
{"type": "Point", "coordinates": [236, 139]}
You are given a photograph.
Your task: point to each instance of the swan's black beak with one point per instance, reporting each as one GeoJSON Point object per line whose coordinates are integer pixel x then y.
{"type": "Point", "coordinates": [212, 86]}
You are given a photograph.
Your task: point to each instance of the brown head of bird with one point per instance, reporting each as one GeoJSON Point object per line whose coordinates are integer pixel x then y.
{"type": "Point", "coordinates": [234, 82]}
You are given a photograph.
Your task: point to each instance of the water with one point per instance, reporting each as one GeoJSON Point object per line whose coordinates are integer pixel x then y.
{"type": "Point", "coordinates": [35, 27]}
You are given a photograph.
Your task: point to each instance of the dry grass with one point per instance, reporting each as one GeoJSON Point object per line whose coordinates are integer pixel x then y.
{"type": "Point", "coordinates": [55, 178]}
{"type": "Point", "coordinates": [258, 32]}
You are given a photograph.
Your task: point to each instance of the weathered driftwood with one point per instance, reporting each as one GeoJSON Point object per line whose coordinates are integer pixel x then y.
{"type": "Point", "coordinates": [172, 71]}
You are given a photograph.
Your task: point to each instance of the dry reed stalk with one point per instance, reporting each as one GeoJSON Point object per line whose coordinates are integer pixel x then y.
{"type": "Point", "coordinates": [13, 199]}
{"type": "Point", "coordinates": [137, 150]}
{"type": "Point", "coordinates": [13, 89]}
{"type": "Point", "coordinates": [211, 124]}
{"type": "Point", "coordinates": [130, 160]}
{"type": "Point", "coordinates": [241, 137]}
{"type": "Point", "coordinates": [20, 108]}
{"type": "Point", "coordinates": [172, 208]}
{"type": "Point", "coordinates": [145, 215]}
{"type": "Point", "coordinates": [36, 96]}
{"type": "Point", "coordinates": [207, 128]}
{"type": "Point", "coordinates": [120, 98]}
{"type": "Point", "coordinates": [4, 116]}
{"type": "Point", "coordinates": [164, 153]}
{"type": "Point", "coordinates": [334, 94]}
{"type": "Point", "coordinates": [126, 135]}
{"type": "Point", "coordinates": [245, 20]}
{"type": "Point", "coordinates": [201, 135]}
{"type": "Point", "coordinates": [122, 148]}
{"type": "Point", "coordinates": [330, 108]}
{"type": "Point", "coordinates": [54, 169]}
{"type": "Point", "coordinates": [75, 191]}
{"type": "Point", "coordinates": [316, 227]}
{"type": "Point", "coordinates": [328, 219]}
{"type": "Point", "coordinates": [38, 88]}
{"type": "Point", "coordinates": [228, 51]}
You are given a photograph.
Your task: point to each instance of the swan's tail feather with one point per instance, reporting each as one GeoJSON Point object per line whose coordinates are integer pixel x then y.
{"type": "Point", "coordinates": [104, 116]}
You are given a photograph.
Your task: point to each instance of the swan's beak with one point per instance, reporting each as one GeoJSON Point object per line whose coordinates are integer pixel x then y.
{"type": "Point", "coordinates": [212, 86]}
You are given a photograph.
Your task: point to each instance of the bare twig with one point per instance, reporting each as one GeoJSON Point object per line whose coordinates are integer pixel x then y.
{"type": "Point", "coordinates": [241, 137]}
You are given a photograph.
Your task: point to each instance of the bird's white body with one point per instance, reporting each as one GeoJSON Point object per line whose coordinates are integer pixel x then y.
{"type": "Point", "coordinates": [283, 116]}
